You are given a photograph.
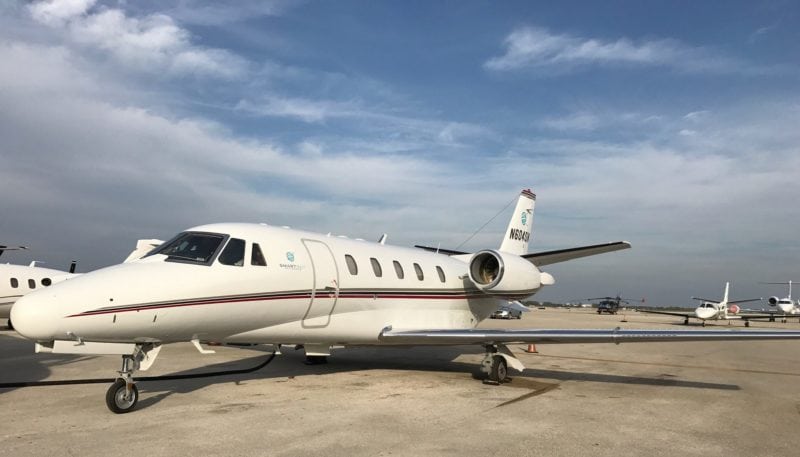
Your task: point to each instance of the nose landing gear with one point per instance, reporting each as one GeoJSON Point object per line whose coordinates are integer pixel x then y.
{"type": "Point", "coordinates": [122, 396]}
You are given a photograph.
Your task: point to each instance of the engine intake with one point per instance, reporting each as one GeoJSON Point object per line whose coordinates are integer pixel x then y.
{"type": "Point", "coordinates": [503, 274]}
{"type": "Point", "coordinates": [773, 301]}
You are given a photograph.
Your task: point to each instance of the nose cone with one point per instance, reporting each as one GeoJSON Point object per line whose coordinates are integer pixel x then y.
{"type": "Point", "coordinates": [705, 313]}
{"type": "Point", "coordinates": [33, 317]}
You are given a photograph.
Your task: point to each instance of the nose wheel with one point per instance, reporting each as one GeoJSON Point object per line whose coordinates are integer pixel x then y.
{"type": "Point", "coordinates": [122, 396]}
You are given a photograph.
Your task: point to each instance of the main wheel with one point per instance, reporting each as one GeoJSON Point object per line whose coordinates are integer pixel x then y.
{"type": "Point", "coordinates": [10, 325]}
{"type": "Point", "coordinates": [747, 323]}
{"type": "Point", "coordinates": [119, 399]}
{"type": "Point", "coordinates": [499, 371]}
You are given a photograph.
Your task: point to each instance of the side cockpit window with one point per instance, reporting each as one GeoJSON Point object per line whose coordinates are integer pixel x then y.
{"type": "Point", "coordinates": [233, 254]}
{"type": "Point", "coordinates": [256, 257]}
{"type": "Point", "coordinates": [14, 283]}
{"type": "Point", "coordinates": [191, 247]}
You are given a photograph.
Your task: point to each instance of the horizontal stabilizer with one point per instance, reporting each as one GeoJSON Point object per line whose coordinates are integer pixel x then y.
{"type": "Point", "coordinates": [11, 248]}
{"type": "Point", "coordinates": [617, 335]}
{"type": "Point", "coordinates": [707, 300]}
{"type": "Point", "coordinates": [142, 248]}
{"type": "Point", "coordinates": [548, 257]}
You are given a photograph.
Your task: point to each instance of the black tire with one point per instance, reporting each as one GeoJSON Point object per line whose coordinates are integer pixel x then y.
{"type": "Point", "coordinates": [10, 325]}
{"type": "Point", "coordinates": [499, 371]}
{"type": "Point", "coordinates": [747, 323]}
{"type": "Point", "coordinates": [115, 397]}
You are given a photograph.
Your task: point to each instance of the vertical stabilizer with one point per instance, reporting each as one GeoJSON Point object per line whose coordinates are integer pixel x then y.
{"type": "Point", "coordinates": [725, 297]}
{"type": "Point", "coordinates": [520, 228]}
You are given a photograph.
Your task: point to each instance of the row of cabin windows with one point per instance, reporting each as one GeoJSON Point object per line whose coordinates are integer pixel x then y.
{"type": "Point", "coordinates": [31, 283]}
{"type": "Point", "coordinates": [233, 254]}
{"type": "Point", "coordinates": [352, 267]}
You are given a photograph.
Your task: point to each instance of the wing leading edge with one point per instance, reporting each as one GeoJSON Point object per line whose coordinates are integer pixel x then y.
{"type": "Point", "coordinates": [617, 335]}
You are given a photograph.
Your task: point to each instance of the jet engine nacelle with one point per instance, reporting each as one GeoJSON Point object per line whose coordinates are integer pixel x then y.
{"type": "Point", "coordinates": [773, 301]}
{"type": "Point", "coordinates": [733, 309]}
{"type": "Point", "coordinates": [503, 274]}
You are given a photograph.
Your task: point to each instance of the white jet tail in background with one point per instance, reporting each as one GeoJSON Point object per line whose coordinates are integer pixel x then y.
{"type": "Point", "coordinates": [520, 227]}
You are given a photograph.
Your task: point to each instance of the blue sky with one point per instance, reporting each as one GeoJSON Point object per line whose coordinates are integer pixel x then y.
{"type": "Point", "coordinates": [670, 124]}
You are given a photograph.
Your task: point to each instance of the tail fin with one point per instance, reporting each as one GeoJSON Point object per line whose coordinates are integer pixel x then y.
{"type": "Point", "coordinates": [142, 248]}
{"type": "Point", "coordinates": [725, 297]}
{"type": "Point", "coordinates": [520, 228]}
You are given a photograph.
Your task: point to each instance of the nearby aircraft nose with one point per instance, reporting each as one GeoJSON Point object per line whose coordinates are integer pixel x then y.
{"type": "Point", "coordinates": [33, 318]}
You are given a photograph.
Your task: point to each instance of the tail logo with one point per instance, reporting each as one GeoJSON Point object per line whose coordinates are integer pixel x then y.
{"type": "Point", "coordinates": [524, 218]}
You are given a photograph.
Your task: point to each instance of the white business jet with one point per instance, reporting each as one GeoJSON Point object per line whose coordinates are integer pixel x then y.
{"type": "Point", "coordinates": [715, 310]}
{"type": "Point", "coordinates": [785, 306]}
{"type": "Point", "coordinates": [18, 280]}
{"type": "Point", "coordinates": [251, 283]}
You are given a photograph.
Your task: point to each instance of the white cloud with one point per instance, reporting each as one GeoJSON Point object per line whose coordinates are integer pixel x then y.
{"type": "Point", "coordinates": [152, 44]}
{"type": "Point", "coordinates": [537, 48]}
{"type": "Point", "coordinates": [58, 12]}
{"type": "Point", "coordinates": [697, 116]}
{"type": "Point", "coordinates": [590, 121]}
{"type": "Point", "coordinates": [299, 108]}
{"type": "Point", "coordinates": [226, 12]}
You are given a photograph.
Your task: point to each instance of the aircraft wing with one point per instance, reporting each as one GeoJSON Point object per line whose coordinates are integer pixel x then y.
{"type": "Point", "coordinates": [744, 301]}
{"type": "Point", "coordinates": [548, 257]}
{"type": "Point", "coordinates": [617, 335]}
{"type": "Point", "coordinates": [765, 315]}
{"type": "Point", "coordinates": [670, 313]}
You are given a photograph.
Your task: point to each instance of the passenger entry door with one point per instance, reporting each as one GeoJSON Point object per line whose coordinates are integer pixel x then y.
{"type": "Point", "coordinates": [325, 288]}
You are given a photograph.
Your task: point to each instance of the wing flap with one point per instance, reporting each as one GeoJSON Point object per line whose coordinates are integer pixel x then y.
{"type": "Point", "coordinates": [617, 335]}
{"type": "Point", "coordinates": [561, 255]}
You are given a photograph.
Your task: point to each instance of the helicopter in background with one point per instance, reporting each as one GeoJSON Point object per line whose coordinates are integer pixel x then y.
{"type": "Point", "coordinates": [610, 305]}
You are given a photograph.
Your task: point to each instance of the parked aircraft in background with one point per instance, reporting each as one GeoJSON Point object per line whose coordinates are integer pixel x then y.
{"type": "Point", "coordinates": [252, 284]}
{"type": "Point", "coordinates": [715, 310]}
{"type": "Point", "coordinates": [18, 280]}
{"type": "Point", "coordinates": [786, 307]}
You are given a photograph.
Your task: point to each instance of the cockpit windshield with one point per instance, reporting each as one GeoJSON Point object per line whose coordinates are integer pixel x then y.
{"type": "Point", "coordinates": [192, 247]}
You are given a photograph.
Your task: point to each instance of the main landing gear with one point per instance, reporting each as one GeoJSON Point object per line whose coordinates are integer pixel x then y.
{"type": "Point", "coordinates": [123, 395]}
{"type": "Point", "coordinates": [495, 364]}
